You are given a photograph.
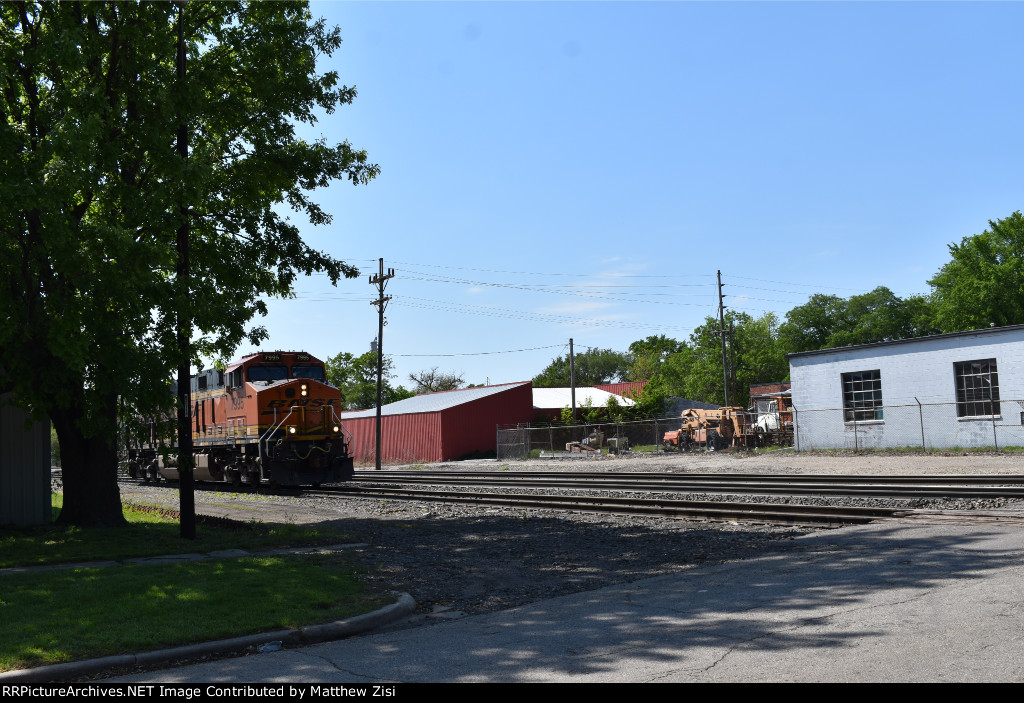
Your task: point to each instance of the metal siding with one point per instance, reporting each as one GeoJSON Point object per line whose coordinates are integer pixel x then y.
{"type": "Point", "coordinates": [24, 468]}
{"type": "Point", "coordinates": [434, 402]}
{"type": "Point", "coordinates": [473, 427]}
{"type": "Point", "coordinates": [554, 399]}
{"type": "Point", "coordinates": [622, 388]}
{"type": "Point", "coordinates": [441, 436]}
{"type": "Point", "coordinates": [406, 439]}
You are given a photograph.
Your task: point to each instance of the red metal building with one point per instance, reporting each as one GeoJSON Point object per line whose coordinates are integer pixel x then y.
{"type": "Point", "coordinates": [441, 426]}
{"type": "Point", "coordinates": [625, 389]}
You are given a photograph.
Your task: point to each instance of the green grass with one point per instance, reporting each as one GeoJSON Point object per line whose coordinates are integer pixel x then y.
{"type": "Point", "coordinates": [60, 616]}
{"type": "Point", "coordinates": [147, 534]}
{"type": "Point", "coordinates": [65, 615]}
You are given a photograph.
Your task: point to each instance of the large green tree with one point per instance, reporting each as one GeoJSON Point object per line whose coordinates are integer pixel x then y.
{"type": "Point", "coordinates": [356, 377]}
{"type": "Point", "coordinates": [826, 321]}
{"type": "Point", "coordinates": [649, 355]}
{"type": "Point", "coordinates": [593, 367]}
{"type": "Point", "coordinates": [755, 355]}
{"type": "Point", "coordinates": [93, 192]}
{"type": "Point", "coordinates": [983, 283]}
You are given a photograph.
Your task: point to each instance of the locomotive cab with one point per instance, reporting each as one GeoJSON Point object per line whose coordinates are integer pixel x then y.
{"type": "Point", "coordinates": [270, 417]}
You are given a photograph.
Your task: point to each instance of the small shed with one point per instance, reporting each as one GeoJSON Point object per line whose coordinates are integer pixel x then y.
{"type": "Point", "coordinates": [24, 466]}
{"type": "Point", "coordinates": [443, 426]}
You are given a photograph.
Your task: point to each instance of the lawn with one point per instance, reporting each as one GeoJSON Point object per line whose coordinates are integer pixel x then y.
{"type": "Point", "coordinates": [56, 616]}
{"type": "Point", "coordinates": [149, 533]}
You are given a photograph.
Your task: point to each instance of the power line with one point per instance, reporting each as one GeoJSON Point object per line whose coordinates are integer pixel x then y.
{"type": "Point", "coordinates": [506, 351]}
{"type": "Point", "coordinates": [550, 273]}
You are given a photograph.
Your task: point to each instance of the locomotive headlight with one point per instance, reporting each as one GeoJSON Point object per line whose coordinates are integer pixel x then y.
{"type": "Point", "coordinates": [291, 429]}
{"type": "Point", "coordinates": [304, 391]}
{"type": "Point", "coordinates": [337, 429]}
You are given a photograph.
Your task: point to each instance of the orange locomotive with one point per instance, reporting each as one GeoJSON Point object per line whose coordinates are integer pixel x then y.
{"type": "Point", "coordinates": [271, 416]}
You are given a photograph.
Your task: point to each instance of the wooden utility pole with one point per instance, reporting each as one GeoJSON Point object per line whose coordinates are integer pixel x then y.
{"type": "Point", "coordinates": [721, 331]}
{"type": "Point", "coordinates": [186, 484]}
{"type": "Point", "coordinates": [572, 380]}
{"type": "Point", "coordinates": [380, 280]}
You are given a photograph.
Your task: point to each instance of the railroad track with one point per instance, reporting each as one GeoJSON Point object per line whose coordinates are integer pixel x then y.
{"type": "Point", "coordinates": [382, 486]}
{"type": "Point", "coordinates": [682, 509]}
{"type": "Point", "coordinates": [945, 486]}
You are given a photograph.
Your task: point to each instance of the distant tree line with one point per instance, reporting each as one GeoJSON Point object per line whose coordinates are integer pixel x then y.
{"type": "Point", "coordinates": [981, 285]}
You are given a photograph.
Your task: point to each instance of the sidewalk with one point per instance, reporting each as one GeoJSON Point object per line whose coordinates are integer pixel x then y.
{"type": "Point", "coordinates": [886, 602]}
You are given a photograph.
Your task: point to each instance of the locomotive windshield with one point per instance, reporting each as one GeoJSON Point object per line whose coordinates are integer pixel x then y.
{"type": "Point", "coordinates": [267, 373]}
{"type": "Point", "coordinates": [314, 372]}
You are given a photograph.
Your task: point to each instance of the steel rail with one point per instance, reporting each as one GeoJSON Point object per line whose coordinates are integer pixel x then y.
{"type": "Point", "coordinates": [712, 484]}
{"type": "Point", "coordinates": [969, 479]}
{"type": "Point", "coordinates": [706, 510]}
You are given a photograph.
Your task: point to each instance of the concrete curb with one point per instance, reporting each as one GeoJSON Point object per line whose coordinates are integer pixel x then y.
{"type": "Point", "coordinates": [309, 634]}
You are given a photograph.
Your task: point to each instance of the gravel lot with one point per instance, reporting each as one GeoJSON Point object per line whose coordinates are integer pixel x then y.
{"type": "Point", "coordinates": [456, 559]}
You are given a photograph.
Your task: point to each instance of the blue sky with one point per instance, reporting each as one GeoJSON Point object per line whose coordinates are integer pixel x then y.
{"type": "Point", "coordinates": [554, 170]}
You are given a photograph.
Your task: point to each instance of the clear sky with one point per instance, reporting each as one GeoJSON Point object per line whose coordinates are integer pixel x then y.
{"type": "Point", "coordinates": [575, 169]}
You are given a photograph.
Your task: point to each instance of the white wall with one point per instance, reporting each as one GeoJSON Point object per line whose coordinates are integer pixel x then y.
{"type": "Point", "coordinates": [921, 368]}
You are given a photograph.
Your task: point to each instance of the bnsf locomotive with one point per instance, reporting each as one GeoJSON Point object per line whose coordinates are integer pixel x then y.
{"type": "Point", "coordinates": [271, 416]}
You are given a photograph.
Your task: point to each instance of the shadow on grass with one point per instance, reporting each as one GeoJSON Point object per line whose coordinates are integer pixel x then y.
{"type": "Point", "coordinates": [147, 534]}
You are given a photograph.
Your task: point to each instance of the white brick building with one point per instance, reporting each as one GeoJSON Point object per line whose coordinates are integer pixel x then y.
{"type": "Point", "coordinates": [950, 390]}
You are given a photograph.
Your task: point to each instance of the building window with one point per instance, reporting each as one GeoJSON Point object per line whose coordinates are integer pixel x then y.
{"type": "Point", "coordinates": [862, 396]}
{"type": "Point", "coordinates": [977, 388]}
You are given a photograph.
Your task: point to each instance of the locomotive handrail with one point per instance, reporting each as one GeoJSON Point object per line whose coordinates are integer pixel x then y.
{"type": "Point", "coordinates": [344, 430]}
{"type": "Point", "coordinates": [272, 429]}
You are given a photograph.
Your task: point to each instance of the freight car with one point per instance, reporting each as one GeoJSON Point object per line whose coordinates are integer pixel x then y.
{"type": "Point", "coordinates": [270, 417]}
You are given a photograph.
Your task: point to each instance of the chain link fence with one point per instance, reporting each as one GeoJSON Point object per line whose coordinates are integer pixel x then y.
{"type": "Point", "coordinates": [525, 441]}
{"type": "Point", "coordinates": [915, 426]}
{"type": "Point", "coordinates": [925, 426]}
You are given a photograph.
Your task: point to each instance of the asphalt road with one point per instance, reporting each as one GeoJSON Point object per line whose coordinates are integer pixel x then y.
{"type": "Point", "coordinates": [885, 602]}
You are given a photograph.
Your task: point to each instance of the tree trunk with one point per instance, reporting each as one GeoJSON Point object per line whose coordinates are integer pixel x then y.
{"type": "Point", "coordinates": [89, 469]}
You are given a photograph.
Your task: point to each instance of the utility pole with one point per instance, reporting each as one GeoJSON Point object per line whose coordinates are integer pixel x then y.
{"type": "Point", "coordinates": [380, 280]}
{"type": "Point", "coordinates": [572, 380]}
{"type": "Point", "coordinates": [732, 361]}
{"type": "Point", "coordinates": [721, 331]}
{"type": "Point", "coordinates": [186, 483]}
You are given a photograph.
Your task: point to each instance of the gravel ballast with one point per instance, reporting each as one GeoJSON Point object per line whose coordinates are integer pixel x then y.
{"type": "Point", "coordinates": [455, 559]}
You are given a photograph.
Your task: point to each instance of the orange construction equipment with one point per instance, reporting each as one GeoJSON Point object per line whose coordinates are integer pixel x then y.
{"type": "Point", "coordinates": [714, 429]}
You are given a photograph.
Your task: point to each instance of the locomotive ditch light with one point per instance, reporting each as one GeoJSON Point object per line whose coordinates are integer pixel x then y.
{"type": "Point", "coordinates": [291, 429]}
{"type": "Point", "coordinates": [338, 429]}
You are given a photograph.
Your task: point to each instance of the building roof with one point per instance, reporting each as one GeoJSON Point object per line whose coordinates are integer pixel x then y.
{"type": "Point", "coordinates": [949, 335]}
{"type": "Point", "coordinates": [433, 402]}
{"type": "Point", "coordinates": [562, 397]}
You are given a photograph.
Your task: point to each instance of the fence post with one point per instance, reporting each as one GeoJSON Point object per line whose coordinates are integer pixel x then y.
{"type": "Point", "coordinates": [920, 414]}
{"type": "Point", "coordinates": [856, 446]}
{"type": "Point", "coordinates": [796, 427]}
{"type": "Point", "coordinates": [656, 442]}
{"type": "Point", "coordinates": [995, 440]}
